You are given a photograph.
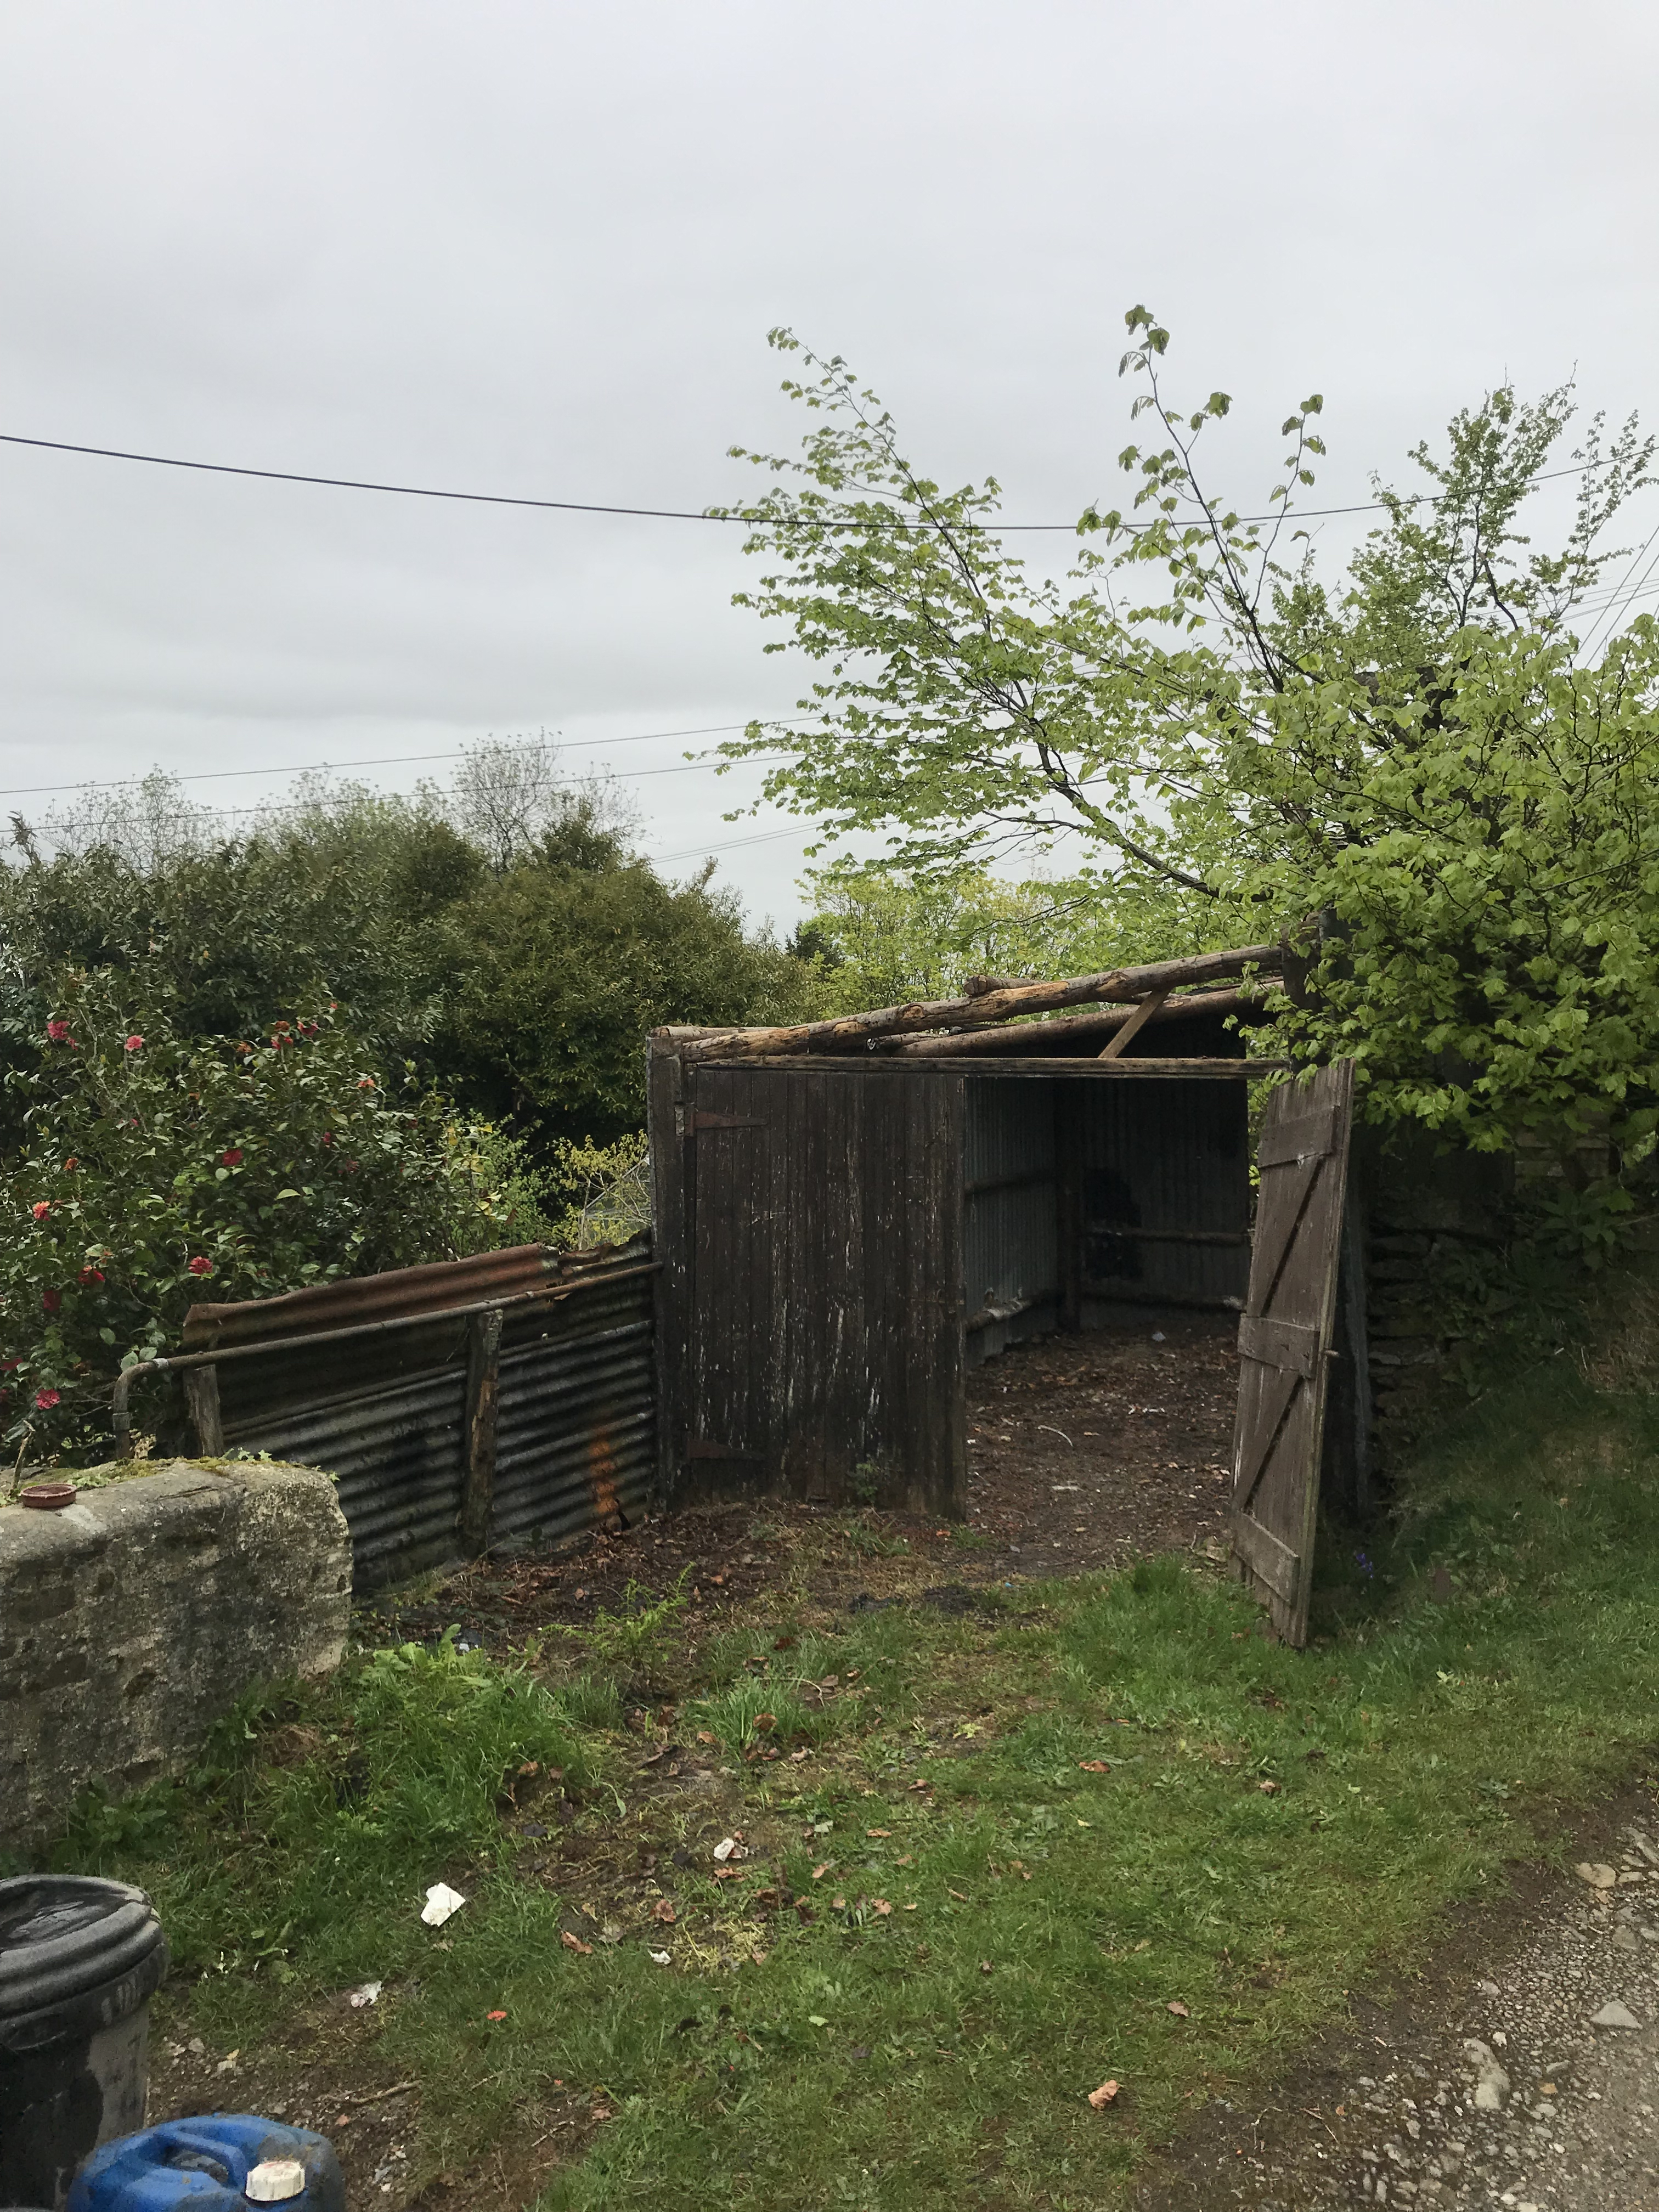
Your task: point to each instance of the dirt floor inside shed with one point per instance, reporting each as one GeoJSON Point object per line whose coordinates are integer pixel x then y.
{"type": "Point", "coordinates": [1085, 1452]}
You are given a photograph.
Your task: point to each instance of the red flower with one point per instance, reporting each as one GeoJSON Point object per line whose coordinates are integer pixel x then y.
{"type": "Point", "coordinates": [232, 1158]}
{"type": "Point", "coordinates": [328, 1136]}
{"type": "Point", "coordinates": [201, 1265]}
{"type": "Point", "coordinates": [51, 1300]}
{"type": "Point", "coordinates": [42, 1208]}
{"type": "Point", "coordinates": [91, 1276]}
{"type": "Point", "coordinates": [57, 1032]}
{"type": "Point", "coordinates": [135, 1043]}
{"type": "Point", "coordinates": [71, 1165]}
{"type": "Point", "coordinates": [45, 1399]}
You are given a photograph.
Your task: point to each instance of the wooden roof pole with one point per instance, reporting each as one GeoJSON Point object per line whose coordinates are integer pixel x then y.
{"type": "Point", "coordinates": [851, 1031]}
{"type": "Point", "coordinates": [1074, 1030]}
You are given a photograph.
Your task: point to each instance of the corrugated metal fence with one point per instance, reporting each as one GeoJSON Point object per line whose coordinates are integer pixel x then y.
{"type": "Point", "coordinates": [508, 1396]}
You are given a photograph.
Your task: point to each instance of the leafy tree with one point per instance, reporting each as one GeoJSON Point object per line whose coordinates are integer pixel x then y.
{"type": "Point", "coordinates": [1419, 753]}
{"type": "Point", "coordinates": [563, 962]}
{"type": "Point", "coordinates": [886, 936]}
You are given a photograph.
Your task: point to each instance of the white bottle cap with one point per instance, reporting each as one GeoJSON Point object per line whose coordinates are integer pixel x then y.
{"type": "Point", "coordinates": [275, 2180]}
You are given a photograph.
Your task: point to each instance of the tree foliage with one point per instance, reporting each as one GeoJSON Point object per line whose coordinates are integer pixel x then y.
{"type": "Point", "coordinates": [1414, 772]}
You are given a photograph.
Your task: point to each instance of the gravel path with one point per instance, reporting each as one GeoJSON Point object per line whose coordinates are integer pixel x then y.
{"type": "Point", "coordinates": [1535, 2089]}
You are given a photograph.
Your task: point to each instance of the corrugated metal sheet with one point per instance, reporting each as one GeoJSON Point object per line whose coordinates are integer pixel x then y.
{"type": "Point", "coordinates": [372, 1298]}
{"type": "Point", "coordinates": [1010, 1237]}
{"type": "Point", "coordinates": [1165, 1193]}
{"type": "Point", "coordinates": [387, 1413]}
{"type": "Point", "coordinates": [575, 1435]}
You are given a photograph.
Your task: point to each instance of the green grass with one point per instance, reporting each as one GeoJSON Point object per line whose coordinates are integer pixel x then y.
{"type": "Point", "coordinates": [932, 2057]}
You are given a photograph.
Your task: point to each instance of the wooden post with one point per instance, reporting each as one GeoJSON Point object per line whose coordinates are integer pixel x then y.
{"type": "Point", "coordinates": [1068, 1202]}
{"type": "Point", "coordinates": [483, 1367]}
{"type": "Point", "coordinates": [202, 1398]}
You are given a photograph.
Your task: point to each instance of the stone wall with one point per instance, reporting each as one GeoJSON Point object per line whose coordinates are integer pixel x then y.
{"type": "Point", "coordinates": [1431, 1220]}
{"type": "Point", "coordinates": [132, 1619]}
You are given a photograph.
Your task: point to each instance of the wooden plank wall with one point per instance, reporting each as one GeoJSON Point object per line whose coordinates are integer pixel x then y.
{"type": "Point", "coordinates": [809, 1224]}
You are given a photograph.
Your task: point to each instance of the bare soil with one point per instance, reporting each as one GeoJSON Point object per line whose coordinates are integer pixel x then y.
{"type": "Point", "coordinates": [1085, 1452]}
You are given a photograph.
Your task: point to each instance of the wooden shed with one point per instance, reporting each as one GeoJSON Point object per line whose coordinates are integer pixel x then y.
{"type": "Point", "coordinates": [851, 1213]}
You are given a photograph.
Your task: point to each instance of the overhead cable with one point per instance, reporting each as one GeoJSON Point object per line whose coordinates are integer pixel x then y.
{"type": "Point", "coordinates": [655, 514]}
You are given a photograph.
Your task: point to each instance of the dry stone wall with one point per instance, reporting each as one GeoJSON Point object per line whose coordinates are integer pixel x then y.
{"type": "Point", "coordinates": [132, 1619]}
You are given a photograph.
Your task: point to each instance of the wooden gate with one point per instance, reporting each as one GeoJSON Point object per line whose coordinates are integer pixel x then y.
{"type": "Point", "coordinates": [1286, 1338]}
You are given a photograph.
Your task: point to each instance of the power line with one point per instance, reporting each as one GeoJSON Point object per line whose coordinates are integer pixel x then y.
{"type": "Point", "coordinates": [647, 514]}
{"type": "Point", "coordinates": [399, 760]}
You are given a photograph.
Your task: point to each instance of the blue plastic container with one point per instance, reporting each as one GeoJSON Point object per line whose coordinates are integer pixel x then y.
{"type": "Point", "coordinates": [204, 2166]}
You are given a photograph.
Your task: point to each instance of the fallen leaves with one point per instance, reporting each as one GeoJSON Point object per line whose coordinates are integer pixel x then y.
{"type": "Point", "coordinates": [878, 1832]}
{"type": "Point", "coordinates": [575, 1943]}
{"type": "Point", "coordinates": [1179, 2009]}
{"type": "Point", "coordinates": [1104, 2095]}
{"type": "Point", "coordinates": [1094, 1766]}
{"type": "Point", "coordinates": [1268, 1789]}
{"type": "Point", "coordinates": [819, 1872]}
{"type": "Point", "coordinates": [663, 1911]}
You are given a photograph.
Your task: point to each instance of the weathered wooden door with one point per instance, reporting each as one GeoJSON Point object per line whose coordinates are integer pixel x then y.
{"type": "Point", "coordinates": [1286, 1338]}
{"type": "Point", "coordinates": [812, 1245]}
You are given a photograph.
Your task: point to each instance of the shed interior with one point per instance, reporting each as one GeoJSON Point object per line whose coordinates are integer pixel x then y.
{"type": "Point", "coordinates": [846, 1229]}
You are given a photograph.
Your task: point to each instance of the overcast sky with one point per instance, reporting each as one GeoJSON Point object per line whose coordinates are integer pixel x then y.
{"type": "Point", "coordinates": [536, 248]}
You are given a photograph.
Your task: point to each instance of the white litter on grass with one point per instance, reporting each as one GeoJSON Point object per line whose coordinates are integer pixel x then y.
{"type": "Point", "coordinates": [724, 1848]}
{"type": "Point", "coordinates": [441, 1902]}
{"type": "Point", "coordinates": [1157, 1336]}
{"type": "Point", "coordinates": [366, 1993]}
{"type": "Point", "coordinates": [661, 1958]}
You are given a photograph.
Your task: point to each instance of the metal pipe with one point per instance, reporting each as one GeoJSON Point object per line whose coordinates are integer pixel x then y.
{"type": "Point", "coordinates": [121, 1415]}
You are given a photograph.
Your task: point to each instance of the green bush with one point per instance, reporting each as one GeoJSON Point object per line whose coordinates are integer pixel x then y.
{"type": "Point", "coordinates": [157, 1169]}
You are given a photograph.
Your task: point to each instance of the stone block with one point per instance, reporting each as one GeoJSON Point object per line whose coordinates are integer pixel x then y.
{"type": "Point", "coordinates": [133, 1620]}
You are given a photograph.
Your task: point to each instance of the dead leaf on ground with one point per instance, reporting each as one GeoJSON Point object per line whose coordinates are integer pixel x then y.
{"type": "Point", "coordinates": [575, 1943]}
{"type": "Point", "coordinates": [1101, 2097]}
{"type": "Point", "coordinates": [1179, 2009]}
{"type": "Point", "coordinates": [662, 1910]}
{"type": "Point", "coordinates": [1094, 1766]}
{"type": "Point", "coordinates": [878, 1832]}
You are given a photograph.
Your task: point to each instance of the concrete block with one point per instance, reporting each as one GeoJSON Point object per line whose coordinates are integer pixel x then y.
{"type": "Point", "coordinates": [132, 1619]}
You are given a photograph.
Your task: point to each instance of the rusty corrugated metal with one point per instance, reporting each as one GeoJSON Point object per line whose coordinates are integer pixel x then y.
{"type": "Point", "coordinates": [387, 1413]}
{"type": "Point", "coordinates": [372, 1298]}
{"type": "Point", "coordinates": [575, 1430]}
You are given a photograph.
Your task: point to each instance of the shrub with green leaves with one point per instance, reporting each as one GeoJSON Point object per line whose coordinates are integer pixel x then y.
{"type": "Point", "coordinates": [158, 1170]}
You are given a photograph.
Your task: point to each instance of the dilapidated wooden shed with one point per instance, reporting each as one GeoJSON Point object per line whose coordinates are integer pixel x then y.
{"type": "Point", "coordinates": [850, 1213]}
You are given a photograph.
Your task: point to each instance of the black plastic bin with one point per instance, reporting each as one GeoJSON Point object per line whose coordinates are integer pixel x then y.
{"type": "Point", "coordinates": [80, 1960]}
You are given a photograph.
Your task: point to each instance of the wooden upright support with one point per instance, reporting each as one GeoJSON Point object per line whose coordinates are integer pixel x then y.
{"type": "Point", "coordinates": [483, 1370]}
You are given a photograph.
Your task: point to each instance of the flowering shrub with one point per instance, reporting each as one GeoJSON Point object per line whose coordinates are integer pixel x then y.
{"type": "Point", "coordinates": [157, 1169]}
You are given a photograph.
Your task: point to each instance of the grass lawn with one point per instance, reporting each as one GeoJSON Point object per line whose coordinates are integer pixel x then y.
{"type": "Point", "coordinates": [1076, 1830]}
